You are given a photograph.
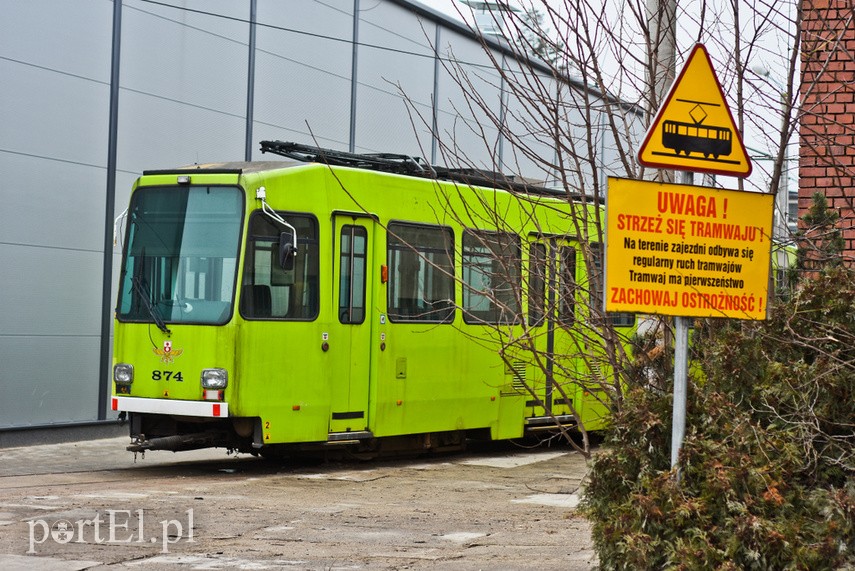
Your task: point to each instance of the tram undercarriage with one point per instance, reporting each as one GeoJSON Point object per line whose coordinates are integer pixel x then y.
{"type": "Point", "coordinates": [242, 434]}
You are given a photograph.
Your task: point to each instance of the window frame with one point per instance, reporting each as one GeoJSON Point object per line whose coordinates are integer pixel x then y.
{"type": "Point", "coordinates": [401, 245]}
{"type": "Point", "coordinates": [616, 318]}
{"type": "Point", "coordinates": [124, 280]}
{"type": "Point", "coordinates": [285, 214]}
{"type": "Point", "coordinates": [483, 237]}
{"type": "Point", "coordinates": [354, 230]}
{"type": "Point", "coordinates": [568, 285]}
{"type": "Point", "coordinates": [537, 284]}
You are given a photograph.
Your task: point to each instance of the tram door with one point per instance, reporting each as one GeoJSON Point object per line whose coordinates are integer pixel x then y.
{"type": "Point", "coordinates": [350, 341]}
{"type": "Point", "coordinates": [552, 313]}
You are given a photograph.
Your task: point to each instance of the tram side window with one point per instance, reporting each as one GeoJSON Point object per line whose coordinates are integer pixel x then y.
{"type": "Point", "coordinates": [491, 277]}
{"type": "Point", "coordinates": [618, 319]}
{"type": "Point", "coordinates": [421, 273]}
{"type": "Point", "coordinates": [536, 284]}
{"type": "Point", "coordinates": [567, 298]}
{"type": "Point", "coordinates": [268, 291]}
{"type": "Point", "coordinates": [351, 303]}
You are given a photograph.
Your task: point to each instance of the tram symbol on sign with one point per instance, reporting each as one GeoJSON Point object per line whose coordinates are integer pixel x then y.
{"type": "Point", "coordinates": [695, 137]}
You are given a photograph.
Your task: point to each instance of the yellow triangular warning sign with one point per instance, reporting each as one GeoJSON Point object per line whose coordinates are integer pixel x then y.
{"type": "Point", "coordinates": [694, 129]}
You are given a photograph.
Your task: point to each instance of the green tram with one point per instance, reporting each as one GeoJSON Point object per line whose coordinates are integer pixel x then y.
{"type": "Point", "coordinates": [331, 300]}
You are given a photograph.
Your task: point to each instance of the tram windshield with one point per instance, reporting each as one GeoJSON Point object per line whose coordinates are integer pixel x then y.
{"type": "Point", "coordinates": [180, 260]}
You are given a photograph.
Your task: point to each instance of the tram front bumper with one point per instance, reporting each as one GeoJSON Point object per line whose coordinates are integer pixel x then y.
{"type": "Point", "coordinates": [206, 409]}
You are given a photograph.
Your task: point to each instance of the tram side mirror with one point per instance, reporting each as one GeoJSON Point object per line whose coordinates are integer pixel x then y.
{"type": "Point", "coordinates": [286, 250]}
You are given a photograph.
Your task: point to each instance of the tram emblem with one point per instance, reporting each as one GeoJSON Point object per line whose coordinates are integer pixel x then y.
{"type": "Point", "coordinates": [168, 353]}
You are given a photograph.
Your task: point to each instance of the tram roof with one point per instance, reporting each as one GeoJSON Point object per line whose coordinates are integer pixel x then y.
{"type": "Point", "coordinates": [298, 155]}
{"type": "Point", "coordinates": [235, 167]}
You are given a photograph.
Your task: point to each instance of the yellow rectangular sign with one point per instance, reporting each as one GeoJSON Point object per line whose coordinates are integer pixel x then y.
{"type": "Point", "coordinates": [692, 251]}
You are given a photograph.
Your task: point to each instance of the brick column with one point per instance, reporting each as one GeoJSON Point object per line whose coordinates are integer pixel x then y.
{"type": "Point", "coordinates": [827, 126]}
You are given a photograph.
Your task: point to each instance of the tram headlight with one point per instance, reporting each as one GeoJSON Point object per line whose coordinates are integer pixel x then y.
{"type": "Point", "coordinates": [215, 378]}
{"type": "Point", "coordinates": [123, 374]}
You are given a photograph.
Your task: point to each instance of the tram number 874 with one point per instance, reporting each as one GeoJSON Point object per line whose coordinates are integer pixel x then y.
{"type": "Point", "coordinates": [167, 376]}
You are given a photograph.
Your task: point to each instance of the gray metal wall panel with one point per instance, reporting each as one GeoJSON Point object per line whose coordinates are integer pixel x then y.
{"type": "Point", "coordinates": [406, 65]}
{"type": "Point", "coordinates": [308, 102]}
{"type": "Point", "coordinates": [65, 37]}
{"type": "Point", "coordinates": [50, 291]}
{"type": "Point", "coordinates": [160, 133]}
{"type": "Point", "coordinates": [53, 115]}
{"type": "Point", "coordinates": [50, 335]}
{"type": "Point", "coordinates": [183, 78]}
{"type": "Point", "coordinates": [124, 184]}
{"type": "Point", "coordinates": [52, 379]}
{"type": "Point", "coordinates": [579, 176]}
{"type": "Point", "coordinates": [187, 57]}
{"type": "Point", "coordinates": [223, 18]}
{"type": "Point", "coordinates": [631, 131]}
{"type": "Point", "coordinates": [54, 95]}
{"type": "Point", "coordinates": [51, 204]}
{"type": "Point", "coordinates": [315, 35]}
{"type": "Point", "coordinates": [532, 120]}
{"type": "Point", "coordinates": [303, 72]}
{"type": "Point", "coordinates": [468, 131]}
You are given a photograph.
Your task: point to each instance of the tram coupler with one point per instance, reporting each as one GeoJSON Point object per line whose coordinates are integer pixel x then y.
{"type": "Point", "coordinates": [178, 442]}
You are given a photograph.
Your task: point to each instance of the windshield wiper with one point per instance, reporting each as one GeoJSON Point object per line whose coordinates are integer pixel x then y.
{"type": "Point", "coordinates": [143, 292]}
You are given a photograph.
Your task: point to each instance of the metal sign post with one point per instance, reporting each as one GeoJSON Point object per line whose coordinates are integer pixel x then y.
{"type": "Point", "coordinates": [681, 375]}
{"type": "Point", "coordinates": [681, 378]}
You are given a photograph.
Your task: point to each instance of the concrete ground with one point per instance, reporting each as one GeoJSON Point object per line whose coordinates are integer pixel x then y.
{"type": "Point", "coordinates": [88, 504]}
